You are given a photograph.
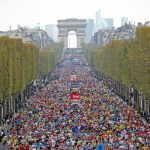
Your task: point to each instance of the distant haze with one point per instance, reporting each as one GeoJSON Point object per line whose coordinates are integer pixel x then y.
{"type": "Point", "coordinates": [31, 12]}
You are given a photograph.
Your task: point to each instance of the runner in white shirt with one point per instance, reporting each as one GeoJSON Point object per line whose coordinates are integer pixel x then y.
{"type": "Point", "coordinates": [73, 143]}
{"type": "Point", "coordinates": [43, 138]}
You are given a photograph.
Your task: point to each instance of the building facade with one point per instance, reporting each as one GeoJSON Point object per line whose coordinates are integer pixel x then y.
{"type": "Point", "coordinates": [146, 24]}
{"type": "Point", "coordinates": [36, 37]}
{"type": "Point", "coordinates": [105, 36]}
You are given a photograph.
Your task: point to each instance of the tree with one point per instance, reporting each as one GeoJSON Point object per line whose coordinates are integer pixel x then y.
{"type": "Point", "coordinates": [15, 64]}
{"type": "Point", "coordinates": [1, 73]}
{"type": "Point", "coordinates": [7, 67]}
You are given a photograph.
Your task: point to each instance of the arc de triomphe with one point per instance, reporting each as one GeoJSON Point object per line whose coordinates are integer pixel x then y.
{"type": "Point", "coordinates": [76, 25]}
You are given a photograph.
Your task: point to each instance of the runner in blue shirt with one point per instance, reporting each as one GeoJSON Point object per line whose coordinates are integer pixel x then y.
{"type": "Point", "coordinates": [100, 146]}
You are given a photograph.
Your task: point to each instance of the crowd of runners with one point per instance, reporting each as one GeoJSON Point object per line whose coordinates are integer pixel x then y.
{"type": "Point", "coordinates": [100, 120]}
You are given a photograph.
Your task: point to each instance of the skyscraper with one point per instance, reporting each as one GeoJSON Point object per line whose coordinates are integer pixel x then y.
{"type": "Point", "coordinates": [100, 23]}
{"type": "Point", "coordinates": [100, 20]}
{"type": "Point", "coordinates": [89, 29]}
{"type": "Point", "coordinates": [49, 29]}
{"type": "Point", "coordinates": [110, 22]}
{"type": "Point", "coordinates": [97, 14]}
{"type": "Point", "coordinates": [124, 20]}
{"type": "Point", "coordinates": [55, 34]}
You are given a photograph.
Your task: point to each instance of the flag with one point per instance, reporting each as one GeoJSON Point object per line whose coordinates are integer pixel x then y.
{"type": "Point", "coordinates": [16, 35]}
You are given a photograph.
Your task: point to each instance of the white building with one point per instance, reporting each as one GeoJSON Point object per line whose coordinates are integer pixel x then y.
{"type": "Point", "coordinates": [124, 20]}
{"type": "Point", "coordinates": [55, 34]}
{"type": "Point", "coordinates": [49, 29]}
{"type": "Point", "coordinates": [100, 23]}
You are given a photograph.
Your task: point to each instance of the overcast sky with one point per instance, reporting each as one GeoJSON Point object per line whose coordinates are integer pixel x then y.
{"type": "Point", "coordinates": [31, 12]}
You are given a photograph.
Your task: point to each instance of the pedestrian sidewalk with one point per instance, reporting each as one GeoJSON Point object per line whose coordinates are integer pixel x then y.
{"type": "Point", "coordinates": [3, 126]}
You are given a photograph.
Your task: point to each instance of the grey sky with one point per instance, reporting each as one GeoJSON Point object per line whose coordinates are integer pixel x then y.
{"type": "Point", "coordinates": [31, 12]}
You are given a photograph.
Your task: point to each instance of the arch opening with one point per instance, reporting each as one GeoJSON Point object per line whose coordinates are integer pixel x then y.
{"type": "Point", "coordinates": [72, 39]}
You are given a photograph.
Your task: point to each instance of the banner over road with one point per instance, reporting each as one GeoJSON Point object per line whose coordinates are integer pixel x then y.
{"type": "Point", "coordinates": [75, 96]}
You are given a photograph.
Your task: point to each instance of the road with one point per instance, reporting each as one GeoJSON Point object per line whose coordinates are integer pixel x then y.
{"type": "Point", "coordinates": [89, 89]}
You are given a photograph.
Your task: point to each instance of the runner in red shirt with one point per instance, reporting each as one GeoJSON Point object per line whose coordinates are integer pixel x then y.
{"type": "Point", "coordinates": [21, 147]}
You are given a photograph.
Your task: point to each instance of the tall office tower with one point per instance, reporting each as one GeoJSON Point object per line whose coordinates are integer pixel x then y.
{"type": "Point", "coordinates": [49, 29]}
{"type": "Point", "coordinates": [100, 23]}
{"type": "Point", "coordinates": [97, 15]}
{"type": "Point", "coordinates": [19, 26]}
{"type": "Point", "coordinates": [110, 22]}
{"type": "Point", "coordinates": [124, 20]}
{"type": "Point", "coordinates": [55, 34]}
{"type": "Point", "coordinates": [89, 29]}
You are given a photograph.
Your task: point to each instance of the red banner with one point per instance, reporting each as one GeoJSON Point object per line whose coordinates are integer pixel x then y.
{"type": "Point", "coordinates": [74, 96]}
